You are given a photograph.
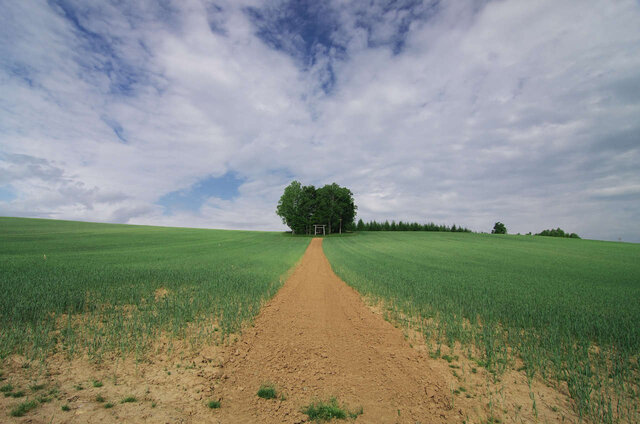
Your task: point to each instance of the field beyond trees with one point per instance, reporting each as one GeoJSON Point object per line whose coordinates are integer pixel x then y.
{"type": "Point", "coordinates": [568, 309]}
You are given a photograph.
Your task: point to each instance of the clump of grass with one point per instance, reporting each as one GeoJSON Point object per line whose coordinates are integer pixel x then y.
{"type": "Point", "coordinates": [43, 399]}
{"type": "Point", "coordinates": [78, 387]}
{"type": "Point", "coordinates": [96, 383]}
{"type": "Point", "coordinates": [267, 391]}
{"type": "Point", "coordinates": [449, 358]}
{"type": "Point", "coordinates": [213, 404]}
{"type": "Point", "coordinates": [18, 394]}
{"type": "Point", "coordinates": [23, 408]}
{"type": "Point", "coordinates": [108, 405]}
{"type": "Point", "coordinates": [7, 388]}
{"type": "Point", "coordinates": [129, 399]}
{"type": "Point", "coordinates": [65, 407]}
{"type": "Point", "coordinates": [100, 399]}
{"type": "Point", "coordinates": [319, 410]}
{"type": "Point", "coordinates": [36, 387]}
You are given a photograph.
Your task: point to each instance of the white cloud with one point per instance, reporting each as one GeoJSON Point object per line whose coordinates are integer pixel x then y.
{"type": "Point", "coordinates": [517, 111]}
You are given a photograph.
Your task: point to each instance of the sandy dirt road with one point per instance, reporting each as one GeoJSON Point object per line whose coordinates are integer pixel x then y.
{"type": "Point", "coordinates": [315, 339]}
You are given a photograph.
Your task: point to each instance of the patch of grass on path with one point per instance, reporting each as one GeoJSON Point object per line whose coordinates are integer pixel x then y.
{"type": "Point", "coordinates": [319, 410]}
{"type": "Point", "coordinates": [267, 391]}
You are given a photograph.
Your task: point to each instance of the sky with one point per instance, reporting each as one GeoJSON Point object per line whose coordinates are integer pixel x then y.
{"type": "Point", "coordinates": [198, 113]}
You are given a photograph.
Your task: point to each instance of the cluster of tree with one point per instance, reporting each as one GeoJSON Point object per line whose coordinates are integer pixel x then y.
{"type": "Point", "coordinates": [499, 228]}
{"type": "Point", "coordinates": [558, 232]}
{"type": "Point", "coordinates": [407, 226]}
{"type": "Point", "coordinates": [302, 207]}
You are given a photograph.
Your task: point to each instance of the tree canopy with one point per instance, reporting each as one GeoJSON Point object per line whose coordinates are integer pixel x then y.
{"type": "Point", "coordinates": [558, 232]}
{"type": "Point", "coordinates": [407, 226]}
{"type": "Point", "coordinates": [499, 228]}
{"type": "Point", "coordinates": [300, 207]}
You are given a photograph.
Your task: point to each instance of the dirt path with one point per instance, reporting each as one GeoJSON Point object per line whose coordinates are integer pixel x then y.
{"type": "Point", "coordinates": [317, 338]}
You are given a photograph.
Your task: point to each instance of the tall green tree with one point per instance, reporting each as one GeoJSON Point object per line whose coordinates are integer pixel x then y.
{"type": "Point", "coordinates": [335, 207]}
{"type": "Point", "coordinates": [290, 207]}
{"type": "Point", "coordinates": [308, 206]}
{"type": "Point", "coordinates": [499, 228]}
{"type": "Point", "coordinates": [300, 207]}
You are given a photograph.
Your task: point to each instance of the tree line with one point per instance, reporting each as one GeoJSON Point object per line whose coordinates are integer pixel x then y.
{"type": "Point", "coordinates": [302, 207]}
{"type": "Point", "coordinates": [558, 232]}
{"type": "Point", "coordinates": [407, 226]}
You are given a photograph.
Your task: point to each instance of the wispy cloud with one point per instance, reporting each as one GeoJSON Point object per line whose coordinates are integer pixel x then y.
{"type": "Point", "coordinates": [465, 112]}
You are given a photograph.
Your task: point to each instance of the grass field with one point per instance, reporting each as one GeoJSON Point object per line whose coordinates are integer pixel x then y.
{"type": "Point", "coordinates": [563, 309]}
{"type": "Point", "coordinates": [569, 309]}
{"type": "Point", "coordinates": [102, 287]}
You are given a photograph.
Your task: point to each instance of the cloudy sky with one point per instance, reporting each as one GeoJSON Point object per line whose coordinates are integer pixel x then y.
{"type": "Point", "coordinates": [198, 113]}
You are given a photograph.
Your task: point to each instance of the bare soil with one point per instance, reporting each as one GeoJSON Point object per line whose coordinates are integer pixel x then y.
{"type": "Point", "coordinates": [315, 339]}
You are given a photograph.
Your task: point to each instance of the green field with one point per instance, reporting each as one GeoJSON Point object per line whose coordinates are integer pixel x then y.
{"type": "Point", "coordinates": [568, 308]}
{"type": "Point", "coordinates": [97, 288]}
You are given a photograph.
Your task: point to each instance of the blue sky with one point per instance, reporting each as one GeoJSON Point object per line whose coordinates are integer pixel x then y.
{"type": "Point", "coordinates": [199, 113]}
{"type": "Point", "coordinates": [224, 187]}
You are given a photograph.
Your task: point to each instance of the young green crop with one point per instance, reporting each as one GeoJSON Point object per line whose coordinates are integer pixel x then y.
{"type": "Point", "coordinates": [117, 287]}
{"type": "Point", "coordinates": [568, 308]}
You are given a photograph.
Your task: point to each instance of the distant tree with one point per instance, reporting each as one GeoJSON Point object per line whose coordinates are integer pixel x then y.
{"type": "Point", "coordinates": [360, 225]}
{"type": "Point", "coordinates": [308, 207]}
{"type": "Point", "coordinates": [300, 207]}
{"type": "Point", "coordinates": [290, 208]}
{"type": "Point", "coordinates": [558, 232]}
{"type": "Point", "coordinates": [408, 226]}
{"type": "Point", "coordinates": [335, 207]}
{"type": "Point", "coordinates": [499, 228]}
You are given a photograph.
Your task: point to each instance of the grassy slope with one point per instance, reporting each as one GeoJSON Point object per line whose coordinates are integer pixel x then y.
{"type": "Point", "coordinates": [549, 299]}
{"type": "Point", "coordinates": [105, 277]}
